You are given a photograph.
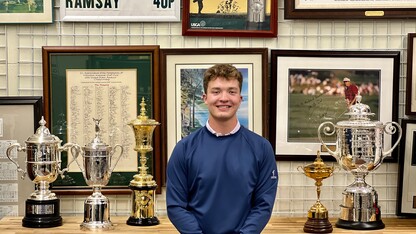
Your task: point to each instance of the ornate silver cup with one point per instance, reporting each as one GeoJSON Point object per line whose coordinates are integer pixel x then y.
{"type": "Point", "coordinates": [359, 150]}
{"type": "Point", "coordinates": [96, 168]}
{"type": "Point", "coordinates": [43, 165]}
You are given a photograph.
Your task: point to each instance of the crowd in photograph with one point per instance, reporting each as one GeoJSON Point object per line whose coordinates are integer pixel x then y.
{"type": "Point", "coordinates": [311, 85]}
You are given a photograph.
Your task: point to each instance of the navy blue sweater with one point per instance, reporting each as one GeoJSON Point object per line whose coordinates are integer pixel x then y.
{"type": "Point", "coordinates": [223, 184]}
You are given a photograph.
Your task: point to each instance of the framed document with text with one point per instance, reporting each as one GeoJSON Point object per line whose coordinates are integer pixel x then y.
{"type": "Point", "coordinates": [101, 82]}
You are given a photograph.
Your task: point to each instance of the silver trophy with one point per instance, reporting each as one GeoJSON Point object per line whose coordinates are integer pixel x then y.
{"type": "Point", "coordinates": [359, 150]}
{"type": "Point", "coordinates": [43, 165]}
{"type": "Point", "coordinates": [96, 168]}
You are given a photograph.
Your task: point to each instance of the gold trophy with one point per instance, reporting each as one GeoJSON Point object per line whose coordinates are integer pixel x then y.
{"type": "Point", "coordinates": [143, 186]}
{"type": "Point", "coordinates": [317, 215]}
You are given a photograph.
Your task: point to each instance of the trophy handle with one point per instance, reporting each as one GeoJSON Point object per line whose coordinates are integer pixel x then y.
{"type": "Point", "coordinates": [75, 149]}
{"type": "Point", "coordinates": [119, 156]}
{"type": "Point", "coordinates": [391, 128]}
{"type": "Point", "coordinates": [19, 148]}
{"type": "Point", "coordinates": [300, 169]}
{"type": "Point", "coordinates": [328, 131]}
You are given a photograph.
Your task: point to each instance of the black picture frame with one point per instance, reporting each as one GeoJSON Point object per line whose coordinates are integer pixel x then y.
{"type": "Point", "coordinates": [282, 61]}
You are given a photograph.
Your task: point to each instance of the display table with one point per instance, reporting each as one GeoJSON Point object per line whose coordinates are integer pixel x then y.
{"type": "Point", "coordinates": [276, 225]}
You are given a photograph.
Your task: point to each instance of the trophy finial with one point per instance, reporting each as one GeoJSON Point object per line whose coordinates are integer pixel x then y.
{"type": "Point", "coordinates": [97, 130]}
{"type": "Point", "coordinates": [143, 109]}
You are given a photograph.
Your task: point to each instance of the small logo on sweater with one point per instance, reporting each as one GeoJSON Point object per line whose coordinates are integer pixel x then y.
{"type": "Point", "coordinates": [274, 175]}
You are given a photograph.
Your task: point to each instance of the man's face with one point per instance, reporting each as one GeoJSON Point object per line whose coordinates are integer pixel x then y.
{"type": "Point", "coordinates": [223, 98]}
{"type": "Point", "coordinates": [347, 83]}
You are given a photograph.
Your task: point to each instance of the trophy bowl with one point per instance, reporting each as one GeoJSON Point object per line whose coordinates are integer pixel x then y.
{"type": "Point", "coordinates": [359, 150]}
{"type": "Point", "coordinates": [96, 168]}
{"type": "Point", "coordinates": [318, 221]}
{"type": "Point", "coordinates": [43, 165]}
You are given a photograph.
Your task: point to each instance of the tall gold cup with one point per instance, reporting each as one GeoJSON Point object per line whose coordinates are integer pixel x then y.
{"type": "Point", "coordinates": [143, 186]}
{"type": "Point", "coordinates": [318, 221]}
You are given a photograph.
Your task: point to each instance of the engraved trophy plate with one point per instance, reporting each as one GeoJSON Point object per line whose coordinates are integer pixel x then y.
{"type": "Point", "coordinates": [43, 165]}
{"type": "Point", "coordinates": [96, 168]}
{"type": "Point", "coordinates": [143, 186]}
{"type": "Point", "coordinates": [359, 150]}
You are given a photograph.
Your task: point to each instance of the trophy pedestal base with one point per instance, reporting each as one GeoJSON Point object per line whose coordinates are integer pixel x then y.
{"type": "Point", "coordinates": [317, 226]}
{"type": "Point", "coordinates": [97, 213]}
{"type": "Point", "coordinates": [143, 198]}
{"type": "Point", "coordinates": [97, 225]}
{"type": "Point", "coordinates": [374, 225]}
{"type": "Point", "coordinates": [142, 221]}
{"type": "Point", "coordinates": [42, 214]}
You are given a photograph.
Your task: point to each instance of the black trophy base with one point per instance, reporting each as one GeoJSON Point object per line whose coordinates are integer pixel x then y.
{"type": "Point", "coordinates": [374, 225]}
{"type": "Point", "coordinates": [42, 214]}
{"type": "Point", "coordinates": [317, 226]}
{"type": "Point", "coordinates": [142, 221]}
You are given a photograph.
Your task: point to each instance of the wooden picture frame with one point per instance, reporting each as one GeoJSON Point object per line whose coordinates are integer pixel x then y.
{"type": "Point", "coordinates": [410, 108]}
{"type": "Point", "coordinates": [332, 9]}
{"type": "Point", "coordinates": [406, 192]}
{"type": "Point", "coordinates": [238, 18]}
{"type": "Point", "coordinates": [26, 12]}
{"type": "Point", "coordinates": [107, 82]}
{"type": "Point", "coordinates": [19, 120]}
{"type": "Point", "coordinates": [307, 90]}
{"type": "Point", "coordinates": [120, 11]}
{"type": "Point", "coordinates": [176, 62]}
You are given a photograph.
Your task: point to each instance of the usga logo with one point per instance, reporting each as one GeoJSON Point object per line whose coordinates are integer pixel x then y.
{"type": "Point", "coordinates": [202, 23]}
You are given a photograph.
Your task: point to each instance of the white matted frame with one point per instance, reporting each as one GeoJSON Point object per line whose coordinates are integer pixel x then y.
{"type": "Point", "coordinates": [406, 189]}
{"type": "Point", "coordinates": [120, 11]}
{"type": "Point", "coordinates": [29, 12]}
{"type": "Point", "coordinates": [19, 117]}
{"type": "Point", "coordinates": [282, 61]}
{"type": "Point", "coordinates": [172, 60]}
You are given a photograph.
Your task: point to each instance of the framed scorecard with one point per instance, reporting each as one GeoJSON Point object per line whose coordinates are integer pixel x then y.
{"type": "Point", "coordinates": [120, 11]}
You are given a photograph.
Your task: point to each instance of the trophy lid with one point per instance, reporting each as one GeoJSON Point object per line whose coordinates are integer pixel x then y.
{"type": "Point", "coordinates": [96, 143]}
{"type": "Point", "coordinates": [359, 115]}
{"type": "Point", "coordinates": [43, 135]}
{"type": "Point", "coordinates": [143, 119]}
{"type": "Point", "coordinates": [318, 165]}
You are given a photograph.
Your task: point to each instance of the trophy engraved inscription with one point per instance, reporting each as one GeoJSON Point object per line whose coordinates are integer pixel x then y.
{"type": "Point", "coordinates": [143, 186]}
{"type": "Point", "coordinates": [43, 165]}
{"type": "Point", "coordinates": [359, 150]}
{"type": "Point", "coordinates": [96, 167]}
{"type": "Point", "coordinates": [318, 221]}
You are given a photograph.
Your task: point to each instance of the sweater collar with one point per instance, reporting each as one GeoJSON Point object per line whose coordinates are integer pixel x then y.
{"type": "Point", "coordinates": [236, 128]}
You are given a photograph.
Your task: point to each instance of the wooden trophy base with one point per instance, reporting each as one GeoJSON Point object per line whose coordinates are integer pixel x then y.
{"type": "Point", "coordinates": [317, 226]}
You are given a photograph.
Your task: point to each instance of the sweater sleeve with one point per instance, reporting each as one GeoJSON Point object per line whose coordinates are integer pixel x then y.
{"type": "Point", "coordinates": [177, 194]}
{"type": "Point", "coordinates": [264, 194]}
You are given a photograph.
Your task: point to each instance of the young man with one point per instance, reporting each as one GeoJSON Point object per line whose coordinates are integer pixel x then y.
{"type": "Point", "coordinates": [222, 178]}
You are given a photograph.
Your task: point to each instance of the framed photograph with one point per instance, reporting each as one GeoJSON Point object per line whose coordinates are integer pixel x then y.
{"type": "Point", "coordinates": [19, 119]}
{"type": "Point", "coordinates": [182, 89]}
{"type": "Point", "coordinates": [120, 11]}
{"type": "Point", "coordinates": [26, 11]}
{"type": "Point", "coordinates": [336, 9]}
{"type": "Point", "coordinates": [238, 18]}
{"type": "Point", "coordinates": [308, 88]}
{"type": "Point", "coordinates": [101, 82]}
{"type": "Point", "coordinates": [410, 108]}
{"type": "Point", "coordinates": [406, 191]}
